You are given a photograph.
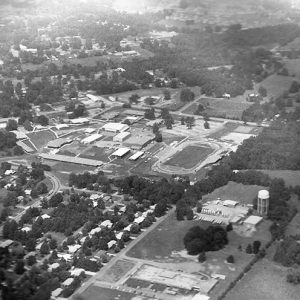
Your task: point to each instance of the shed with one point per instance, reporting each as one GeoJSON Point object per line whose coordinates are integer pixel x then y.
{"type": "Point", "coordinates": [253, 221]}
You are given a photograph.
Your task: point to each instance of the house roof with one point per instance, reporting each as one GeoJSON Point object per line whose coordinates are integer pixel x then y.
{"type": "Point", "coordinates": [68, 281]}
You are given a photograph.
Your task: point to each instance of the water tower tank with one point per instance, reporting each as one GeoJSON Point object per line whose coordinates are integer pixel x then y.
{"type": "Point", "coordinates": [263, 202]}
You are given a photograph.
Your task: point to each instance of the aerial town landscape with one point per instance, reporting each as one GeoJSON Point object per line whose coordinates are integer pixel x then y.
{"type": "Point", "coordinates": [150, 149]}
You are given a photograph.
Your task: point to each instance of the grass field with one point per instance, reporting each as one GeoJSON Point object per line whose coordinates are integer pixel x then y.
{"type": "Point", "coordinates": [100, 293]}
{"type": "Point", "coordinates": [97, 153]}
{"type": "Point", "coordinates": [117, 271]}
{"type": "Point", "coordinates": [290, 177]}
{"type": "Point", "coordinates": [189, 157]}
{"type": "Point", "coordinates": [219, 107]}
{"type": "Point", "coordinates": [293, 66]}
{"type": "Point", "coordinates": [41, 138]}
{"type": "Point", "coordinates": [235, 191]}
{"type": "Point", "coordinates": [276, 85]}
{"type": "Point", "coordinates": [3, 194]}
{"type": "Point", "coordinates": [266, 280]}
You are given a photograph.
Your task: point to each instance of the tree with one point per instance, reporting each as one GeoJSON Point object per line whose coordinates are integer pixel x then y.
{"type": "Point", "coordinates": [158, 137]}
{"type": "Point", "coordinates": [27, 125]}
{"type": "Point", "coordinates": [53, 244]}
{"type": "Point", "coordinates": [202, 257]}
{"type": "Point", "coordinates": [189, 214]}
{"type": "Point", "coordinates": [249, 249]}
{"type": "Point", "coordinates": [206, 125]}
{"type": "Point", "coordinates": [134, 98]}
{"type": "Point", "coordinates": [11, 125]}
{"type": "Point", "coordinates": [31, 260]}
{"type": "Point", "coordinates": [229, 227]}
{"type": "Point", "coordinates": [41, 188]}
{"type": "Point", "coordinates": [256, 246]}
{"type": "Point", "coordinates": [44, 248]}
{"type": "Point", "coordinates": [182, 120]}
{"type": "Point", "coordinates": [262, 91]}
{"type": "Point", "coordinates": [30, 244]}
{"type": "Point", "coordinates": [167, 95]}
{"type": "Point", "coordinates": [19, 268]}
{"type": "Point", "coordinates": [42, 120]}
{"type": "Point", "coordinates": [149, 114]}
{"type": "Point", "coordinates": [294, 87]}
{"type": "Point", "coordinates": [186, 95]}
{"type": "Point", "coordinates": [230, 259]}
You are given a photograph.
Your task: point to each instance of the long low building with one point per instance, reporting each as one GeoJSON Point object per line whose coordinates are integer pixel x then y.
{"type": "Point", "coordinates": [58, 143]}
{"type": "Point", "coordinates": [71, 159]}
{"type": "Point", "coordinates": [92, 138]}
{"type": "Point", "coordinates": [120, 137]}
{"type": "Point", "coordinates": [115, 127]}
{"type": "Point", "coordinates": [139, 140]}
{"type": "Point", "coordinates": [136, 155]}
{"type": "Point", "coordinates": [121, 152]}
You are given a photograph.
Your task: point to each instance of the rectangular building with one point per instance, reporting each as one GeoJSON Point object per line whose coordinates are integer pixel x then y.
{"type": "Point", "coordinates": [122, 136]}
{"type": "Point", "coordinates": [121, 152]}
{"type": "Point", "coordinates": [136, 155]}
{"type": "Point", "coordinates": [115, 127]}
{"type": "Point", "coordinates": [92, 138]}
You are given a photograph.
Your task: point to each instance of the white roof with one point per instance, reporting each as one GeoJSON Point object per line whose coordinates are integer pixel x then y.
{"type": "Point", "coordinates": [56, 292]}
{"type": "Point", "coordinates": [122, 135]}
{"type": "Point", "coordinates": [128, 227]}
{"type": "Point", "coordinates": [136, 155]}
{"type": "Point", "coordinates": [139, 219]}
{"type": "Point", "coordinates": [95, 197]}
{"type": "Point", "coordinates": [230, 203]}
{"type": "Point", "coordinates": [115, 127]}
{"type": "Point", "coordinates": [111, 243]}
{"type": "Point", "coordinates": [73, 248]}
{"type": "Point", "coordinates": [119, 235]}
{"type": "Point", "coordinates": [91, 138]}
{"type": "Point", "coordinates": [89, 130]}
{"type": "Point", "coordinates": [76, 271]}
{"type": "Point", "coordinates": [200, 297]}
{"type": "Point", "coordinates": [68, 281]}
{"type": "Point", "coordinates": [263, 194]}
{"type": "Point", "coordinates": [94, 97]}
{"type": "Point", "coordinates": [253, 220]}
{"type": "Point", "coordinates": [95, 230]}
{"type": "Point", "coordinates": [121, 151]}
{"type": "Point", "coordinates": [66, 256]}
{"type": "Point", "coordinates": [106, 223]}
{"type": "Point", "coordinates": [79, 120]}
{"type": "Point", "coordinates": [45, 216]}
{"type": "Point", "coordinates": [26, 229]}
{"type": "Point", "coordinates": [53, 266]}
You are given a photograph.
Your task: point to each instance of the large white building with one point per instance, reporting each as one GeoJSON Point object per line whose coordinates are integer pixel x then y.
{"type": "Point", "coordinates": [122, 136]}
{"type": "Point", "coordinates": [115, 127]}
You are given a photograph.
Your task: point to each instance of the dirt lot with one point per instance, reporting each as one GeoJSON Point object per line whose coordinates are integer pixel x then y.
{"type": "Point", "coordinates": [266, 280]}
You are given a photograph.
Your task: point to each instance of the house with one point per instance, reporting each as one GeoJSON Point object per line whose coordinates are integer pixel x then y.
{"type": "Point", "coordinates": [56, 293]}
{"type": "Point", "coordinates": [54, 266]}
{"type": "Point", "coordinates": [111, 244]}
{"type": "Point", "coordinates": [106, 223]}
{"type": "Point", "coordinates": [6, 243]}
{"type": "Point", "coordinates": [73, 248]}
{"type": "Point", "coordinates": [68, 282]}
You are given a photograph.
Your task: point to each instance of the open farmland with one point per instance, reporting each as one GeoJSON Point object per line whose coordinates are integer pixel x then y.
{"type": "Point", "coordinates": [293, 67]}
{"type": "Point", "coordinates": [41, 138]}
{"type": "Point", "coordinates": [276, 85]}
{"type": "Point", "coordinates": [266, 280]}
{"type": "Point", "coordinates": [223, 108]}
{"type": "Point", "coordinates": [235, 191]}
{"type": "Point", "coordinates": [291, 178]}
{"type": "Point", "coordinates": [189, 157]}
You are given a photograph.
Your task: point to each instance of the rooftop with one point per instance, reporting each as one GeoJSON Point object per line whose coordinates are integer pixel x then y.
{"type": "Point", "coordinates": [121, 152]}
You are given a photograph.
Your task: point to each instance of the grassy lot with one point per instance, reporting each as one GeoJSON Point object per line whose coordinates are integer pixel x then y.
{"type": "Point", "coordinates": [117, 271]}
{"type": "Point", "coordinates": [276, 85]}
{"type": "Point", "coordinates": [290, 177]}
{"type": "Point", "coordinates": [100, 293]}
{"type": "Point", "coordinates": [266, 280]}
{"type": "Point", "coordinates": [189, 157]}
{"type": "Point", "coordinates": [293, 66]}
{"type": "Point", "coordinates": [235, 191]}
{"type": "Point", "coordinates": [97, 153]}
{"type": "Point", "coordinates": [227, 128]}
{"type": "Point", "coordinates": [219, 107]}
{"type": "Point", "coordinates": [41, 138]}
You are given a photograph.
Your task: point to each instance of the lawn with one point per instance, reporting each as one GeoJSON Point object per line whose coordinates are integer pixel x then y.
{"type": "Point", "coordinates": [266, 280]}
{"type": "Point", "coordinates": [189, 157]}
{"type": "Point", "coordinates": [293, 66]}
{"type": "Point", "coordinates": [276, 85]}
{"type": "Point", "coordinates": [163, 240]}
{"type": "Point", "coordinates": [41, 138]}
{"type": "Point", "coordinates": [97, 153]}
{"type": "Point", "coordinates": [235, 191]}
{"type": "Point", "coordinates": [291, 178]}
{"type": "Point", "coordinates": [3, 194]}
{"type": "Point", "coordinates": [223, 108]}
{"type": "Point", "coordinates": [99, 293]}
{"type": "Point", "coordinates": [117, 271]}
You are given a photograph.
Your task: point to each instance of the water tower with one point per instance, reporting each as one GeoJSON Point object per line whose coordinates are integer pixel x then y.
{"type": "Point", "coordinates": [263, 202]}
